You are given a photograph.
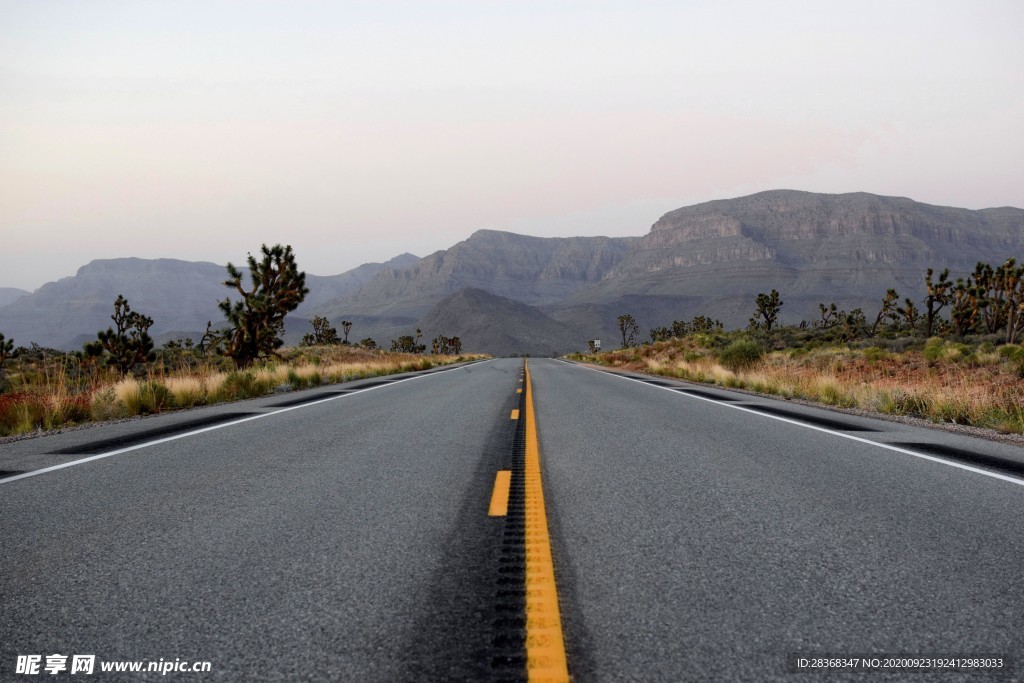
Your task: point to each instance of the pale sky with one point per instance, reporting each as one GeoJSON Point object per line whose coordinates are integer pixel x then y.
{"type": "Point", "coordinates": [355, 131]}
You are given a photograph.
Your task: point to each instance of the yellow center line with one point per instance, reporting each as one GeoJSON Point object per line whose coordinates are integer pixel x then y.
{"type": "Point", "coordinates": [545, 644]}
{"type": "Point", "coordinates": [515, 414]}
{"type": "Point", "coordinates": [499, 499]}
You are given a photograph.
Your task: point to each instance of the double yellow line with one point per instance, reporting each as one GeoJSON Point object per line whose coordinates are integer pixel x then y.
{"type": "Point", "coordinates": [545, 644]}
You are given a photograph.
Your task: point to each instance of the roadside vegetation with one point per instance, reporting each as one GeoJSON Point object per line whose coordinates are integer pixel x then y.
{"type": "Point", "coordinates": [955, 359]}
{"type": "Point", "coordinates": [47, 389]}
{"type": "Point", "coordinates": [121, 374]}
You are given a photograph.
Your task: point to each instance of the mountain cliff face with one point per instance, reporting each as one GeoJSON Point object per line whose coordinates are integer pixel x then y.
{"type": "Point", "coordinates": [713, 258]}
{"type": "Point", "coordinates": [809, 231]}
{"type": "Point", "coordinates": [533, 270]}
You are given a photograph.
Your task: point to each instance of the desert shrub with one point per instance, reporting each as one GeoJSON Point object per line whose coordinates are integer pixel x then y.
{"type": "Point", "coordinates": [902, 403]}
{"type": "Point", "coordinates": [21, 412]}
{"type": "Point", "coordinates": [68, 409]}
{"type": "Point", "coordinates": [831, 394]}
{"type": "Point", "coordinates": [105, 406]}
{"type": "Point", "coordinates": [957, 412]}
{"type": "Point", "coordinates": [936, 349]}
{"type": "Point", "coordinates": [740, 354]}
{"type": "Point", "coordinates": [704, 340]}
{"type": "Point", "coordinates": [304, 378]}
{"type": "Point", "coordinates": [241, 384]}
{"type": "Point", "coordinates": [1011, 352]}
{"type": "Point", "coordinates": [143, 398]}
{"type": "Point", "coordinates": [875, 354]}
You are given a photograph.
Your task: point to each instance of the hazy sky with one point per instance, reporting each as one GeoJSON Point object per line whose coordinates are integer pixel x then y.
{"type": "Point", "coordinates": [358, 130]}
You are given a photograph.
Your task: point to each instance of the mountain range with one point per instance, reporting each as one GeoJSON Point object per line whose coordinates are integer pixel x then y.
{"type": "Point", "coordinates": [508, 293]}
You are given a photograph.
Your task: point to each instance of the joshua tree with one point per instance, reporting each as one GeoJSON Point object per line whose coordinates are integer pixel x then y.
{"type": "Point", "coordinates": [702, 323]}
{"type": "Point", "coordinates": [448, 346]}
{"type": "Point", "coordinates": [6, 347]}
{"type": "Point", "coordinates": [910, 313]}
{"type": "Point", "coordinates": [967, 300]}
{"type": "Point", "coordinates": [256, 320]}
{"type": "Point", "coordinates": [1011, 281]}
{"type": "Point", "coordinates": [408, 344]}
{"type": "Point", "coordinates": [993, 312]}
{"type": "Point", "coordinates": [853, 324]}
{"type": "Point", "coordinates": [938, 296]}
{"type": "Point", "coordinates": [346, 327]}
{"type": "Point", "coordinates": [830, 316]}
{"type": "Point", "coordinates": [323, 333]}
{"type": "Point", "coordinates": [888, 311]}
{"type": "Point", "coordinates": [767, 313]}
{"type": "Point", "coordinates": [629, 329]}
{"type": "Point", "coordinates": [127, 343]}
{"type": "Point", "coordinates": [660, 334]}
{"type": "Point", "coordinates": [210, 342]}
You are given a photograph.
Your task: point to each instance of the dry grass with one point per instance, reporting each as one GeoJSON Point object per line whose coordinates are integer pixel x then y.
{"type": "Point", "coordinates": [54, 395]}
{"type": "Point", "coordinates": [943, 383]}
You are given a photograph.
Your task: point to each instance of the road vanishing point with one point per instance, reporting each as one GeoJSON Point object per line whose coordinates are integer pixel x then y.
{"type": "Point", "coordinates": [507, 521]}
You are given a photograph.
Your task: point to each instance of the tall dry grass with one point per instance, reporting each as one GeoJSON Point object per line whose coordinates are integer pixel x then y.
{"type": "Point", "coordinates": [59, 393]}
{"type": "Point", "coordinates": [943, 382]}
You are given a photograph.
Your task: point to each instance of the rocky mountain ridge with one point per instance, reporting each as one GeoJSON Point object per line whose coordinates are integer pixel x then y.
{"type": "Point", "coordinates": [180, 296]}
{"type": "Point", "coordinates": [710, 258]}
{"type": "Point", "coordinates": [533, 270]}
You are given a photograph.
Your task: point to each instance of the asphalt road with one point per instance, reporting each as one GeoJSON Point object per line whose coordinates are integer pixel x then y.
{"type": "Point", "coordinates": [695, 536]}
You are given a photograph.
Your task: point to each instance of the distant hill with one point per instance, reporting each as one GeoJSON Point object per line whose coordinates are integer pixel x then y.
{"type": "Point", "coordinates": [533, 270]}
{"type": "Point", "coordinates": [10, 294]}
{"type": "Point", "coordinates": [493, 324]}
{"type": "Point", "coordinates": [323, 289]}
{"type": "Point", "coordinates": [180, 296]}
{"type": "Point", "coordinates": [711, 259]}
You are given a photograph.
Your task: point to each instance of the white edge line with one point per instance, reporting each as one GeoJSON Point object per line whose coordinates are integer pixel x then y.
{"type": "Point", "coordinates": [175, 437]}
{"type": "Point", "coordinates": [950, 463]}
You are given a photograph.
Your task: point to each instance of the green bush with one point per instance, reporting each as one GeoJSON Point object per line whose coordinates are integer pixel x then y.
{"type": "Point", "coordinates": [151, 397]}
{"type": "Point", "coordinates": [937, 348]}
{"type": "Point", "coordinates": [242, 384]}
{"type": "Point", "coordinates": [1011, 351]}
{"type": "Point", "coordinates": [105, 406]}
{"type": "Point", "coordinates": [740, 354]}
{"type": "Point", "coordinates": [933, 348]}
{"type": "Point", "coordinates": [903, 403]}
{"type": "Point", "coordinates": [874, 354]}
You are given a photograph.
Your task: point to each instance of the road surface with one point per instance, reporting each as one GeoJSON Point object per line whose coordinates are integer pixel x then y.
{"type": "Point", "coordinates": [343, 534]}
